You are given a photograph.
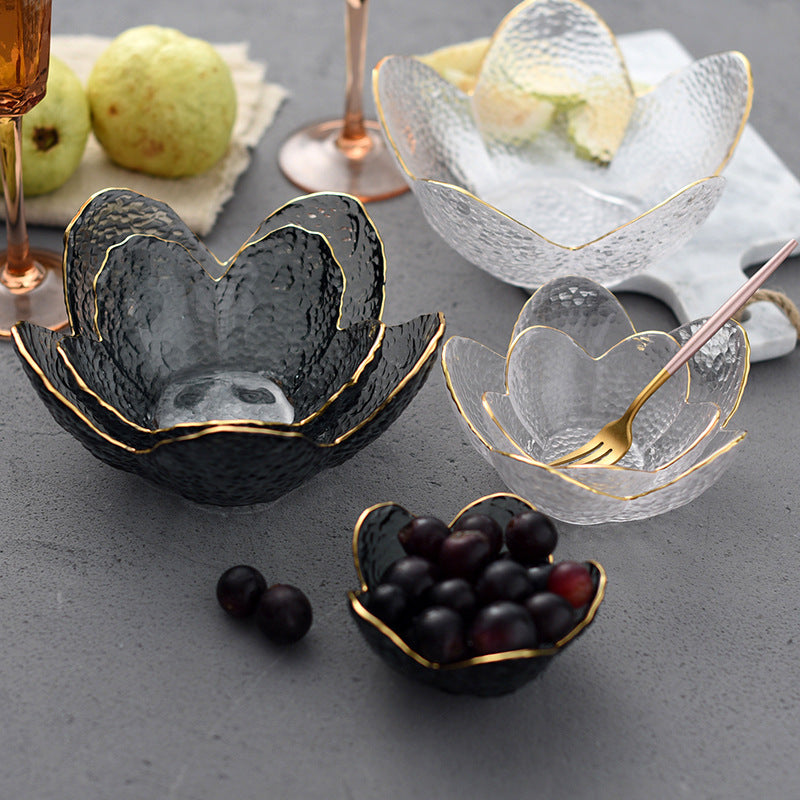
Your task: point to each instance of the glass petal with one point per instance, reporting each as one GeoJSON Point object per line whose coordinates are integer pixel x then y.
{"type": "Point", "coordinates": [583, 309]}
{"type": "Point", "coordinates": [688, 126]}
{"type": "Point", "coordinates": [429, 124]}
{"type": "Point", "coordinates": [355, 242]}
{"type": "Point", "coordinates": [564, 397]}
{"type": "Point", "coordinates": [105, 220]}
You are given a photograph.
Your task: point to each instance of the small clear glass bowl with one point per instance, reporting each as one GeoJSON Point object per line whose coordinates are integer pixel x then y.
{"type": "Point", "coordinates": [549, 163]}
{"type": "Point", "coordinates": [376, 546]}
{"type": "Point", "coordinates": [574, 363]}
{"type": "Point", "coordinates": [229, 383]}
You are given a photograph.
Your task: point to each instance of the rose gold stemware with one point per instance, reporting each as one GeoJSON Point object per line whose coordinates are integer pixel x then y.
{"type": "Point", "coordinates": [345, 155]}
{"type": "Point", "coordinates": [31, 283]}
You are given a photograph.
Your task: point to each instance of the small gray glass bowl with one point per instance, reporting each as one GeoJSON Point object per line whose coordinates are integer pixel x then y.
{"type": "Point", "coordinates": [229, 383]}
{"type": "Point", "coordinates": [376, 546]}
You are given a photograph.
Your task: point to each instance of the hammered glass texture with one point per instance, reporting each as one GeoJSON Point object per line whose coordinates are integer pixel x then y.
{"type": "Point", "coordinates": [545, 53]}
{"type": "Point", "coordinates": [562, 304]}
{"type": "Point", "coordinates": [114, 214]}
{"type": "Point", "coordinates": [376, 546]}
{"type": "Point", "coordinates": [98, 372]}
{"type": "Point", "coordinates": [580, 394]}
{"type": "Point", "coordinates": [527, 212]}
{"type": "Point", "coordinates": [594, 318]}
{"type": "Point", "coordinates": [654, 449]}
{"type": "Point", "coordinates": [679, 451]}
{"type": "Point", "coordinates": [572, 497]}
{"type": "Point", "coordinates": [352, 236]}
{"type": "Point", "coordinates": [157, 313]}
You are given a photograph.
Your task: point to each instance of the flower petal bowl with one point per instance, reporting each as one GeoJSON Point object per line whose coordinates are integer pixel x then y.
{"type": "Point", "coordinates": [546, 162]}
{"type": "Point", "coordinates": [574, 363]}
{"type": "Point", "coordinates": [376, 546]}
{"type": "Point", "coordinates": [229, 383]}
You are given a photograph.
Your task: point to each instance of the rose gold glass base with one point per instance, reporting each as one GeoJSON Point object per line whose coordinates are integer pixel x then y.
{"type": "Point", "coordinates": [318, 158]}
{"type": "Point", "coordinates": [36, 296]}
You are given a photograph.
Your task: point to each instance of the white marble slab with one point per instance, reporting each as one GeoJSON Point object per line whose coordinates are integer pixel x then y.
{"type": "Point", "coordinates": [759, 211]}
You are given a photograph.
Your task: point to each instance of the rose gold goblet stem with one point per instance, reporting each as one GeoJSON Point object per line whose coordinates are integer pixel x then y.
{"type": "Point", "coordinates": [19, 271]}
{"type": "Point", "coordinates": [346, 154]}
{"type": "Point", "coordinates": [354, 134]}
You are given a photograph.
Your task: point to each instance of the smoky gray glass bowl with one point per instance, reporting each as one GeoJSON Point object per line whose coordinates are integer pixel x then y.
{"type": "Point", "coordinates": [231, 382]}
{"type": "Point", "coordinates": [574, 363]}
{"type": "Point", "coordinates": [376, 546]}
{"type": "Point", "coordinates": [546, 161]}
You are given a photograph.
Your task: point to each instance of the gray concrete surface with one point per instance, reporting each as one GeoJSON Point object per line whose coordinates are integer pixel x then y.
{"type": "Point", "coordinates": [120, 677]}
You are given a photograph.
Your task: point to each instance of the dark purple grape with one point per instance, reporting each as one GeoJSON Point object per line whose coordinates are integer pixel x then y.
{"type": "Point", "coordinates": [239, 590]}
{"type": "Point", "coordinates": [413, 574]}
{"type": "Point", "coordinates": [487, 525]}
{"type": "Point", "coordinates": [503, 580]}
{"type": "Point", "coordinates": [573, 581]}
{"type": "Point", "coordinates": [389, 603]}
{"type": "Point", "coordinates": [503, 626]}
{"type": "Point", "coordinates": [540, 575]}
{"type": "Point", "coordinates": [464, 554]}
{"type": "Point", "coordinates": [284, 614]}
{"type": "Point", "coordinates": [553, 616]}
{"type": "Point", "coordinates": [531, 537]}
{"type": "Point", "coordinates": [423, 536]}
{"type": "Point", "coordinates": [455, 593]}
{"type": "Point", "coordinates": [437, 634]}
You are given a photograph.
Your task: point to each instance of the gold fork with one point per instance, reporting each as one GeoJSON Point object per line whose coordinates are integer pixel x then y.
{"type": "Point", "coordinates": [613, 440]}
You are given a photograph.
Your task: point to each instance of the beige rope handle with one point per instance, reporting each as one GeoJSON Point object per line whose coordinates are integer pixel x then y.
{"type": "Point", "coordinates": [781, 300]}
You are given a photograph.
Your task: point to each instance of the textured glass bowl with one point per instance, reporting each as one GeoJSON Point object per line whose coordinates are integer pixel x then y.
{"type": "Point", "coordinates": [230, 383]}
{"type": "Point", "coordinates": [376, 546]}
{"type": "Point", "coordinates": [575, 363]}
{"type": "Point", "coordinates": [530, 206]}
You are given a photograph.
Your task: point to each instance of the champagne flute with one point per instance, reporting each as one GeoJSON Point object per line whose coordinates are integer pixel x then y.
{"type": "Point", "coordinates": [345, 155]}
{"type": "Point", "coordinates": [31, 283]}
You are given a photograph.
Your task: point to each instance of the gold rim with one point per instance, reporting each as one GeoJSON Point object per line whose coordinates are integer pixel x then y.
{"type": "Point", "coordinates": [251, 423]}
{"type": "Point", "coordinates": [369, 219]}
{"type": "Point", "coordinates": [591, 12]}
{"type": "Point", "coordinates": [228, 264]}
{"type": "Point", "coordinates": [571, 248]}
{"type": "Point", "coordinates": [561, 473]}
{"type": "Point", "coordinates": [230, 427]}
{"type": "Point", "coordinates": [492, 658]}
{"type": "Point", "coordinates": [592, 284]}
{"type": "Point", "coordinates": [367, 511]}
{"type": "Point", "coordinates": [511, 655]}
{"type": "Point", "coordinates": [614, 467]}
{"type": "Point", "coordinates": [263, 223]}
{"type": "Point", "coordinates": [610, 295]}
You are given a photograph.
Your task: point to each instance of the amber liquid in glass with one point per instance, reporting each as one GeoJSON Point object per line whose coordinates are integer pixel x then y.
{"type": "Point", "coordinates": [24, 54]}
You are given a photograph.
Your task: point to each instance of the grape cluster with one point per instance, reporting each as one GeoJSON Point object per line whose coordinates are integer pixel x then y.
{"type": "Point", "coordinates": [282, 612]}
{"type": "Point", "coordinates": [477, 589]}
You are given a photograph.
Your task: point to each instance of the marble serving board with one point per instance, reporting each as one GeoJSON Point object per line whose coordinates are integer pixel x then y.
{"type": "Point", "coordinates": [759, 212]}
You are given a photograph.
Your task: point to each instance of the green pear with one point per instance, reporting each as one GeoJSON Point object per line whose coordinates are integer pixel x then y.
{"type": "Point", "coordinates": [162, 102]}
{"type": "Point", "coordinates": [54, 132]}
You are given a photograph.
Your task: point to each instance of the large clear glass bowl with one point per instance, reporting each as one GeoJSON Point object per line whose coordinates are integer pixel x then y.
{"type": "Point", "coordinates": [547, 162]}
